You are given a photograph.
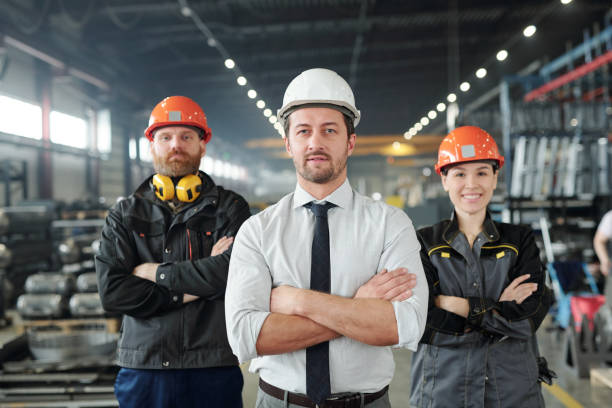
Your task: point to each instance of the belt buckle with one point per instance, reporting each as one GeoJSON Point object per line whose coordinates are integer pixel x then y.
{"type": "Point", "coordinates": [350, 400]}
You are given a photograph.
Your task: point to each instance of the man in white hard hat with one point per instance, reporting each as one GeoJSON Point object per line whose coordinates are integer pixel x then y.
{"type": "Point", "coordinates": [322, 283]}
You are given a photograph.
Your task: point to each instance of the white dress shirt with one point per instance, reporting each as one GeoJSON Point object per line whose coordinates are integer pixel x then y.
{"type": "Point", "coordinates": [273, 248]}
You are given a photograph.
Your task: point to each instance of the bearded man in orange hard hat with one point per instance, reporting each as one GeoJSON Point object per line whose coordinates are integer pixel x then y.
{"type": "Point", "coordinates": [163, 264]}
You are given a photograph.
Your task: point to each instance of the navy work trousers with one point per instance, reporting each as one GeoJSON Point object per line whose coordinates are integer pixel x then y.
{"type": "Point", "coordinates": [188, 388]}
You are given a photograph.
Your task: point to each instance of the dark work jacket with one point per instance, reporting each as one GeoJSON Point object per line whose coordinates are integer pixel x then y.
{"type": "Point", "coordinates": [488, 359]}
{"type": "Point", "coordinates": [158, 330]}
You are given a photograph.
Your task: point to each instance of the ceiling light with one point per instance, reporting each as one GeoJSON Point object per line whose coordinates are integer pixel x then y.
{"type": "Point", "coordinates": [408, 135]}
{"type": "Point", "coordinates": [229, 63]}
{"type": "Point", "coordinates": [441, 107]}
{"type": "Point", "coordinates": [412, 132]}
{"type": "Point", "coordinates": [451, 97]}
{"type": "Point", "coordinates": [424, 121]}
{"type": "Point", "coordinates": [267, 112]}
{"type": "Point", "coordinates": [481, 73]}
{"type": "Point", "coordinates": [211, 42]}
{"type": "Point", "coordinates": [396, 145]}
{"type": "Point", "coordinates": [241, 80]}
{"type": "Point", "coordinates": [574, 122]}
{"type": "Point", "coordinates": [418, 127]}
{"type": "Point", "coordinates": [432, 114]}
{"type": "Point", "coordinates": [261, 104]}
{"type": "Point", "coordinates": [465, 86]}
{"type": "Point", "coordinates": [426, 171]}
{"type": "Point", "coordinates": [272, 119]}
{"type": "Point", "coordinates": [185, 11]}
{"type": "Point", "coordinates": [252, 94]}
{"type": "Point", "coordinates": [529, 30]}
{"type": "Point", "coordinates": [277, 126]}
{"type": "Point", "coordinates": [501, 55]}
{"type": "Point", "coordinates": [566, 1]}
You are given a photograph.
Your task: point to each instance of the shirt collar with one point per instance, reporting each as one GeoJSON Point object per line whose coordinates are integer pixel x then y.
{"type": "Point", "coordinates": [488, 229]}
{"type": "Point", "coordinates": [341, 197]}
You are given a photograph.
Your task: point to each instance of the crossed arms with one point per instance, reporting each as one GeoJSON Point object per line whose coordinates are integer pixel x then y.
{"type": "Point", "coordinates": [517, 313]}
{"type": "Point", "coordinates": [131, 287]}
{"type": "Point", "coordinates": [300, 318]}
{"type": "Point", "coordinates": [265, 315]}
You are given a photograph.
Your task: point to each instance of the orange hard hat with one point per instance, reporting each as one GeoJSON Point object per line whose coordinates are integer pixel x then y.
{"type": "Point", "coordinates": [177, 111]}
{"type": "Point", "coordinates": [466, 144]}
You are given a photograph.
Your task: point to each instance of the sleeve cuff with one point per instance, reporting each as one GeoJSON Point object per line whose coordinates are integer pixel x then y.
{"type": "Point", "coordinates": [409, 325]}
{"type": "Point", "coordinates": [478, 308]}
{"type": "Point", "coordinates": [163, 276]}
{"type": "Point", "coordinates": [176, 300]}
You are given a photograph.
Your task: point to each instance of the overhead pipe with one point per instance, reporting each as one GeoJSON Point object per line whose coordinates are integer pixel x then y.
{"type": "Point", "coordinates": [570, 76]}
{"type": "Point", "coordinates": [603, 37]}
{"type": "Point", "coordinates": [98, 83]}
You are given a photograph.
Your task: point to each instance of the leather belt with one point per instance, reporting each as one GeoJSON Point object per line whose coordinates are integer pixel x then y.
{"type": "Point", "coordinates": [334, 401]}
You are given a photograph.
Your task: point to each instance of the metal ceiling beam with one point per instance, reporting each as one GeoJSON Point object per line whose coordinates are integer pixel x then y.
{"type": "Point", "coordinates": [412, 19]}
{"type": "Point", "coordinates": [150, 44]}
{"type": "Point", "coordinates": [358, 43]}
{"type": "Point", "coordinates": [77, 73]}
{"type": "Point", "coordinates": [287, 73]}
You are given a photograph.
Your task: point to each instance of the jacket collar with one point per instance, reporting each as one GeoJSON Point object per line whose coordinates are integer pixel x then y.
{"type": "Point", "coordinates": [488, 229]}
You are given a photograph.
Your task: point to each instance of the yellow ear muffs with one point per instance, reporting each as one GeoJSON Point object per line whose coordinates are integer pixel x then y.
{"type": "Point", "coordinates": [164, 187]}
{"type": "Point", "coordinates": [188, 188]}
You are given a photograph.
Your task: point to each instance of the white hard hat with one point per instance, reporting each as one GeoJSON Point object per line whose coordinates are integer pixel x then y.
{"type": "Point", "coordinates": [319, 86]}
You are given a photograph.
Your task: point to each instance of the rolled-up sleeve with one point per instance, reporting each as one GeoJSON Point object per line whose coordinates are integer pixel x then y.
{"type": "Point", "coordinates": [247, 297]}
{"type": "Point", "coordinates": [402, 251]}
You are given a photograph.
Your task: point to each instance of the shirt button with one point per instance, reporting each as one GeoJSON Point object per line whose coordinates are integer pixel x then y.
{"type": "Point", "coordinates": [162, 276]}
{"type": "Point", "coordinates": [167, 250]}
{"type": "Point", "coordinates": [175, 298]}
{"type": "Point", "coordinates": [166, 363]}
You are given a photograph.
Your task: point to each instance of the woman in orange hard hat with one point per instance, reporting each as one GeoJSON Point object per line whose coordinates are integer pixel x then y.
{"type": "Point", "coordinates": [487, 292]}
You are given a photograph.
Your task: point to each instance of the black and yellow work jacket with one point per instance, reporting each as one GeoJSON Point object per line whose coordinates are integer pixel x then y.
{"type": "Point", "coordinates": [489, 358]}
{"type": "Point", "coordinates": [159, 331]}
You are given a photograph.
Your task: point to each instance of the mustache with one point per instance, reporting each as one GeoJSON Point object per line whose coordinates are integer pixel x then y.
{"type": "Point", "coordinates": [175, 154]}
{"type": "Point", "coordinates": [308, 156]}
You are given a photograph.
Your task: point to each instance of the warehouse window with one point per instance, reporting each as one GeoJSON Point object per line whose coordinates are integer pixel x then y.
{"type": "Point", "coordinates": [145, 153]}
{"type": "Point", "coordinates": [104, 132]}
{"type": "Point", "coordinates": [20, 118]}
{"type": "Point", "coordinates": [207, 165]}
{"type": "Point", "coordinates": [68, 130]}
{"type": "Point", "coordinates": [218, 167]}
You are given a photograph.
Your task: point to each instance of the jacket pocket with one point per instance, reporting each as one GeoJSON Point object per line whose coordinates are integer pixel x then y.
{"type": "Point", "coordinates": [203, 234]}
{"type": "Point", "coordinates": [148, 236]}
{"type": "Point", "coordinates": [139, 334]}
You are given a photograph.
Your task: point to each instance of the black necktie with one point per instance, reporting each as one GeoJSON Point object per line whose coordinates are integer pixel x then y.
{"type": "Point", "coordinates": [318, 387]}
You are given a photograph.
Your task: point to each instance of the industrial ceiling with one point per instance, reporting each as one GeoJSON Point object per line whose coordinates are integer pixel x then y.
{"type": "Point", "coordinates": [401, 57]}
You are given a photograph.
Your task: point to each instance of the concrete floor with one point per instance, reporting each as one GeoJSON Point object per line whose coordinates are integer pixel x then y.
{"type": "Point", "coordinates": [581, 392]}
{"type": "Point", "coordinates": [568, 391]}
